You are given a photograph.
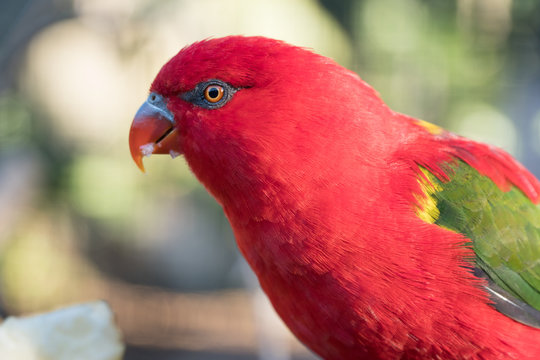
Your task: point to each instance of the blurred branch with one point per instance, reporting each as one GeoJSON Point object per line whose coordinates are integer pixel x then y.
{"type": "Point", "coordinates": [153, 317]}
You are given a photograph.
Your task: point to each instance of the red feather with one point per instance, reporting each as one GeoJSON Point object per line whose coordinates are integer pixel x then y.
{"type": "Point", "coordinates": [317, 177]}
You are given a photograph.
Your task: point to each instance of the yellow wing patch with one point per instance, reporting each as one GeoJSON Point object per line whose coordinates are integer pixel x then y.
{"type": "Point", "coordinates": [427, 204]}
{"type": "Point", "coordinates": [431, 128]}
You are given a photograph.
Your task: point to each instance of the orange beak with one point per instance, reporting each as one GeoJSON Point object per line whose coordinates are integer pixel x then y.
{"type": "Point", "coordinates": [153, 131]}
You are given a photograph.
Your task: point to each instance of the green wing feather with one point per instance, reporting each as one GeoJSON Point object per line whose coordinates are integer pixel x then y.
{"type": "Point", "coordinates": [504, 227]}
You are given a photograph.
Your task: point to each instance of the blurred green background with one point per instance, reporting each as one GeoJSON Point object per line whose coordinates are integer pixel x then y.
{"type": "Point", "coordinates": [78, 221]}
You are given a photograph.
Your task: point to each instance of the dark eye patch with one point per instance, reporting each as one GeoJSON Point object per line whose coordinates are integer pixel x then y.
{"type": "Point", "coordinates": [202, 94]}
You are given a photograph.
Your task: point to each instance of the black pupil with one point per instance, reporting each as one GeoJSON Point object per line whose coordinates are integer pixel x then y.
{"type": "Point", "coordinates": [213, 92]}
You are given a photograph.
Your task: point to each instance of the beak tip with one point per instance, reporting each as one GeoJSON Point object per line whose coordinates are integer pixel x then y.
{"type": "Point", "coordinates": [141, 167]}
{"type": "Point", "coordinates": [138, 159]}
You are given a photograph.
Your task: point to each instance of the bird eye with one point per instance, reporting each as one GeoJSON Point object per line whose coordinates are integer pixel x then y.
{"type": "Point", "coordinates": [210, 94]}
{"type": "Point", "coordinates": [213, 93]}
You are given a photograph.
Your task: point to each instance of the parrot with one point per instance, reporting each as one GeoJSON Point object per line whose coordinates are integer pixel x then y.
{"type": "Point", "coordinates": [375, 235]}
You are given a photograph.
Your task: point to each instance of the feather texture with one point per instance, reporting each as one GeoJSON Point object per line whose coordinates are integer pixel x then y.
{"type": "Point", "coordinates": [321, 182]}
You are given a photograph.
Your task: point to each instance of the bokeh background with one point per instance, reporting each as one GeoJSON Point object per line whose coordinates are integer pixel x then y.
{"type": "Point", "coordinates": [78, 221]}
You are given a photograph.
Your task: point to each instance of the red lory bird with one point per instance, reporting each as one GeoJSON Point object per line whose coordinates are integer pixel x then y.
{"type": "Point", "coordinates": [375, 235]}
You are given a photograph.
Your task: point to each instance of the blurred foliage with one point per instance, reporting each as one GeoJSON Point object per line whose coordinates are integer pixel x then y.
{"type": "Point", "coordinates": [15, 122]}
{"type": "Point", "coordinates": [75, 212]}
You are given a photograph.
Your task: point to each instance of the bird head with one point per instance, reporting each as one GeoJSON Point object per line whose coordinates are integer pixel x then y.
{"type": "Point", "coordinates": [242, 109]}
